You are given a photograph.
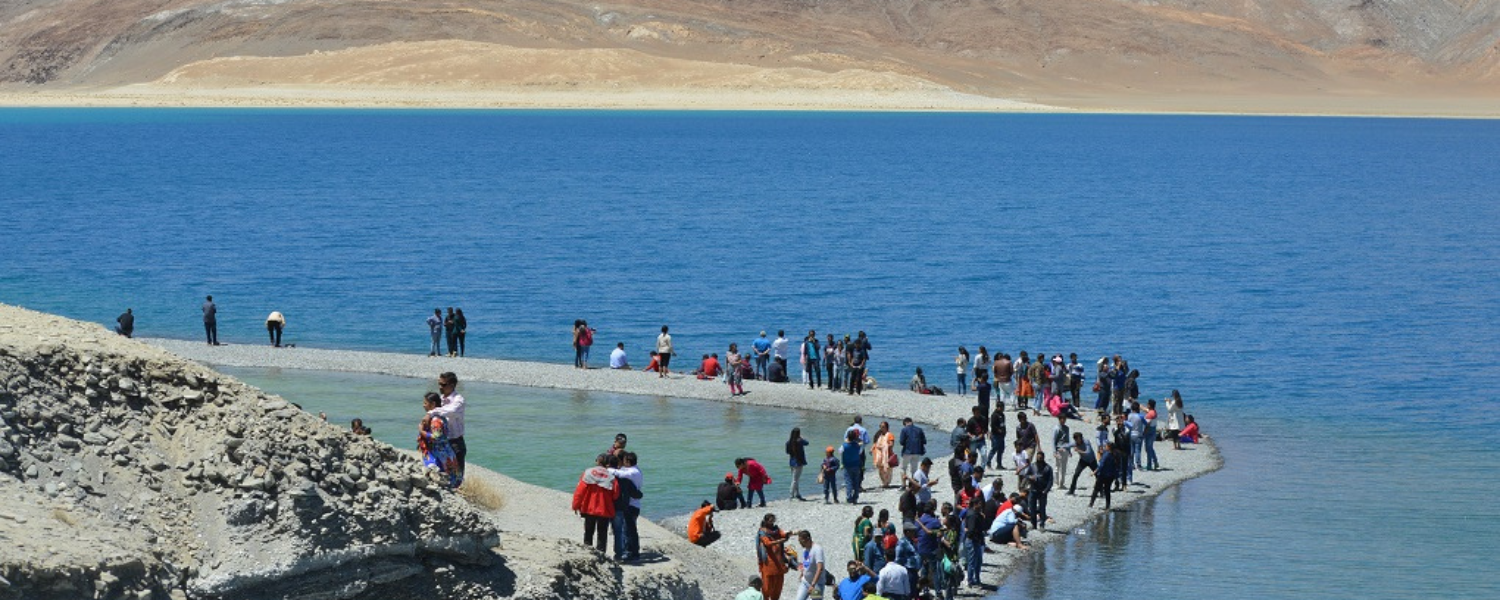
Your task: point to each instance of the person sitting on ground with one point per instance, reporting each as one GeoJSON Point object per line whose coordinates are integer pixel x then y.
{"type": "Point", "coordinates": [357, 427]}
{"type": "Point", "coordinates": [777, 372]}
{"type": "Point", "coordinates": [1008, 528]}
{"type": "Point", "coordinates": [1190, 433]}
{"type": "Point", "coordinates": [728, 496]}
{"type": "Point", "coordinates": [125, 323]}
{"type": "Point", "coordinates": [617, 358]}
{"type": "Point", "coordinates": [752, 592]}
{"type": "Point", "coordinates": [710, 367]}
{"type": "Point", "coordinates": [655, 365]}
{"type": "Point", "coordinates": [919, 383]}
{"type": "Point", "coordinates": [701, 525]}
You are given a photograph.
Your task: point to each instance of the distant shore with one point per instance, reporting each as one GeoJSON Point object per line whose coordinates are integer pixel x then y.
{"type": "Point", "coordinates": [812, 100]}
{"type": "Point", "coordinates": [830, 524]}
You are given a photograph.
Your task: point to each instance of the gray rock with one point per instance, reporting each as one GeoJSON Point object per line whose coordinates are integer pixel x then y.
{"type": "Point", "coordinates": [31, 472]}
{"type": "Point", "coordinates": [67, 441]}
{"type": "Point", "coordinates": [94, 439]}
{"type": "Point", "coordinates": [7, 450]}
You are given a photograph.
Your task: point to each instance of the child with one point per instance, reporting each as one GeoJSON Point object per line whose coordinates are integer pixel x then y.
{"type": "Point", "coordinates": [830, 475]}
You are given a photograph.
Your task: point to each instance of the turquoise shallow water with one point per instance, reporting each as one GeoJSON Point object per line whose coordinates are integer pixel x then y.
{"type": "Point", "coordinates": [1325, 292]}
{"type": "Point", "coordinates": [548, 437]}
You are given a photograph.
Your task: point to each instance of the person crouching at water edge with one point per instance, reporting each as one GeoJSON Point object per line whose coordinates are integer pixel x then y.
{"type": "Point", "coordinates": [594, 500]}
{"type": "Point", "coordinates": [433, 442]}
{"type": "Point", "coordinates": [701, 529]}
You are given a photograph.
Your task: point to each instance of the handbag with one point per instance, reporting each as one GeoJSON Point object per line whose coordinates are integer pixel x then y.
{"type": "Point", "coordinates": [894, 460]}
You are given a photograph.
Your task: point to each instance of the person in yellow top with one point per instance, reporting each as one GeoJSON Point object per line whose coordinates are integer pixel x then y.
{"type": "Point", "coordinates": [274, 324]}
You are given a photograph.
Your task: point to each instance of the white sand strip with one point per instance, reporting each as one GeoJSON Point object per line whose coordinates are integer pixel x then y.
{"type": "Point", "coordinates": [541, 511]}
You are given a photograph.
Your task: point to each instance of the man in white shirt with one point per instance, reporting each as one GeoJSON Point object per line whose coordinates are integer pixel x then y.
{"type": "Point", "coordinates": [813, 566]}
{"type": "Point", "coordinates": [452, 411]}
{"type": "Point", "coordinates": [924, 481]}
{"type": "Point", "coordinates": [626, 534]}
{"type": "Point", "coordinates": [617, 358]}
{"type": "Point", "coordinates": [894, 581]}
{"type": "Point", "coordinates": [779, 349]}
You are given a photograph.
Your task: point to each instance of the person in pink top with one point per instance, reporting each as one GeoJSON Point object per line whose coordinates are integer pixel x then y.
{"type": "Point", "coordinates": [751, 469]}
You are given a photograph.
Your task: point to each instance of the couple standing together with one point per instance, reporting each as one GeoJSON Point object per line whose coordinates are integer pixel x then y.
{"type": "Point", "coordinates": [440, 436]}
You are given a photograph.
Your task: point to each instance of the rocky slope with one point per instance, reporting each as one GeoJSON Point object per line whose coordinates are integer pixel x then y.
{"type": "Point", "coordinates": [1045, 50]}
{"type": "Point", "coordinates": [126, 472]}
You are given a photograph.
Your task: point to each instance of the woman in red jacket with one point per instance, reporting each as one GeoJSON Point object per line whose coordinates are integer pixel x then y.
{"type": "Point", "coordinates": [751, 469]}
{"type": "Point", "coordinates": [594, 500]}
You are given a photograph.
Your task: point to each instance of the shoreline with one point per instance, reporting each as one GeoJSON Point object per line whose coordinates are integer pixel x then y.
{"type": "Point", "coordinates": [771, 100]}
{"type": "Point", "coordinates": [830, 523]}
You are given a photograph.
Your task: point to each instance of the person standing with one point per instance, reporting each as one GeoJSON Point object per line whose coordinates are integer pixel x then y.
{"type": "Point", "coordinates": [432, 441]}
{"type": "Point", "coordinates": [450, 328]}
{"type": "Point", "coordinates": [1062, 448]}
{"type": "Point", "coordinates": [813, 561]}
{"type": "Point", "coordinates": [664, 351]}
{"type": "Point", "coordinates": [811, 354]}
{"type": "Point", "coordinates": [463, 328]}
{"type": "Point", "coordinates": [1150, 437]}
{"type": "Point", "coordinates": [627, 537]}
{"type": "Point", "coordinates": [1023, 381]}
{"type": "Point", "coordinates": [1004, 370]}
{"type": "Point", "coordinates": [734, 375]}
{"type": "Point", "coordinates": [1104, 477]}
{"type": "Point", "coordinates": [211, 321]}
{"type": "Point", "coordinates": [779, 349]}
{"type": "Point", "coordinates": [913, 442]}
{"type": "Point", "coordinates": [1040, 475]}
{"type": "Point", "coordinates": [997, 435]}
{"type": "Point", "coordinates": [853, 458]}
{"type": "Point", "coordinates": [771, 554]}
{"type": "Point", "coordinates": [974, 532]}
{"type": "Point", "coordinates": [1175, 419]}
{"type": "Point", "coordinates": [594, 499]}
{"type": "Point", "coordinates": [762, 350]}
{"type": "Point", "coordinates": [961, 362]}
{"type": "Point", "coordinates": [435, 328]}
{"type": "Point", "coordinates": [884, 452]}
{"type": "Point", "coordinates": [452, 411]}
{"type": "Point", "coordinates": [1086, 459]}
{"type": "Point", "coordinates": [749, 468]}
{"type": "Point", "coordinates": [831, 362]}
{"type": "Point", "coordinates": [125, 323]}
{"type": "Point", "coordinates": [983, 362]}
{"type": "Point", "coordinates": [796, 450]}
{"type": "Point", "coordinates": [858, 356]}
{"type": "Point", "coordinates": [1075, 378]}
{"type": "Point", "coordinates": [274, 324]}
{"type": "Point", "coordinates": [982, 389]}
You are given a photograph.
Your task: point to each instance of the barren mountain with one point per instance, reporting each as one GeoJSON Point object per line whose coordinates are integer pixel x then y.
{"type": "Point", "coordinates": [1182, 54]}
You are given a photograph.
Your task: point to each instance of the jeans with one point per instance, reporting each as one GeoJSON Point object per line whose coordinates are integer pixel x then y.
{"type": "Point", "coordinates": [814, 375]}
{"type": "Point", "coordinates": [833, 380]}
{"type": "Point", "coordinates": [453, 342]}
{"type": "Point", "coordinates": [627, 539]}
{"type": "Point", "coordinates": [1037, 501]}
{"type": "Point", "coordinates": [997, 449]}
{"type": "Point", "coordinates": [963, 384]}
{"type": "Point", "coordinates": [805, 591]}
{"type": "Point", "coordinates": [578, 356]}
{"type": "Point", "coordinates": [932, 567]}
{"type": "Point", "coordinates": [978, 448]}
{"type": "Point", "coordinates": [599, 526]}
{"type": "Point", "coordinates": [211, 328]}
{"type": "Point", "coordinates": [1062, 464]}
{"type": "Point", "coordinates": [1136, 444]}
{"type": "Point", "coordinates": [857, 381]}
{"type": "Point", "coordinates": [1151, 462]}
{"type": "Point", "coordinates": [1085, 461]}
{"type": "Point", "coordinates": [1101, 487]}
{"type": "Point", "coordinates": [974, 555]}
{"type": "Point", "coordinates": [796, 482]}
{"type": "Point", "coordinates": [760, 365]}
{"type": "Point", "coordinates": [851, 482]}
{"type": "Point", "coordinates": [274, 329]}
{"type": "Point", "coordinates": [461, 335]}
{"type": "Point", "coordinates": [437, 344]}
{"type": "Point", "coordinates": [830, 486]}
{"type": "Point", "coordinates": [746, 500]}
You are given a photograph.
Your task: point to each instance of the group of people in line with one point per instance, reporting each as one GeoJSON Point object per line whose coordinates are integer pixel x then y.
{"type": "Point", "coordinates": [454, 328]}
{"type": "Point", "coordinates": [844, 362]}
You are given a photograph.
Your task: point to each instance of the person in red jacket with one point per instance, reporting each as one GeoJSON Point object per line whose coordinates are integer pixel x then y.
{"type": "Point", "coordinates": [751, 469]}
{"type": "Point", "coordinates": [594, 500]}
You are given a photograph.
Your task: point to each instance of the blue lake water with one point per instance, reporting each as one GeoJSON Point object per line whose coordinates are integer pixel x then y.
{"type": "Point", "coordinates": [1325, 292]}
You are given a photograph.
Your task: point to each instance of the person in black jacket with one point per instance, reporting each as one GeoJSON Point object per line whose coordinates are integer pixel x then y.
{"type": "Point", "coordinates": [126, 323]}
{"type": "Point", "coordinates": [728, 496]}
{"type": "Point", "coordinates": [1040, 474]}
{"type": "Point", "coordinates": [1104, 478]}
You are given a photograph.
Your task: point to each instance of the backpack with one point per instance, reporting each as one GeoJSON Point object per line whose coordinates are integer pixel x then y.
{"type": "Point", "coordinates": [587, 337]}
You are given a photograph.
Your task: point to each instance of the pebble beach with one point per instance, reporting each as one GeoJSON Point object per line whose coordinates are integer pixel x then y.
{"type": "Point", "coordinates": [830, 524]}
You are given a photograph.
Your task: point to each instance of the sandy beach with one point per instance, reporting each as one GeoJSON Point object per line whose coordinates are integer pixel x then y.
{"type": "Point", "coordinates": [831, 524]}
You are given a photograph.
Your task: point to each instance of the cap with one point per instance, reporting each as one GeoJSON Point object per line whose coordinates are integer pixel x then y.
{"type": "Point", "coordinates": [729, 475]}
{"type": "Point", "coordinates": [828, 449]}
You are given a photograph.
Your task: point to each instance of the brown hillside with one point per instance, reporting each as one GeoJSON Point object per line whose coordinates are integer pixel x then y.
{"type": "Point", "coordinates": [1069, 52]}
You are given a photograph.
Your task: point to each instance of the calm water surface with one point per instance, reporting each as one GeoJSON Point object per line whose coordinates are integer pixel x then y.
{"type": "Point", "coordinates": [1325, 292]}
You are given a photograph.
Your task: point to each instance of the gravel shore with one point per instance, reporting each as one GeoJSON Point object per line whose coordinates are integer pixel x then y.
{"type": "Point", "coordinates": [830, 524]}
